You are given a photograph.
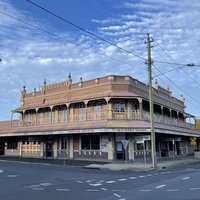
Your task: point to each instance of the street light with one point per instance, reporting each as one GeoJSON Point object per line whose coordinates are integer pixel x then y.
{"type": "Point", "coordinates": [174, 69]}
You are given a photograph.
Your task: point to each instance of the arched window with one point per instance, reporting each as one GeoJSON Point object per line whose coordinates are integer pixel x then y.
{"type": "Point", "coordinates": [119, 106]}
{"type": "Point", "coordinates": [133, 105]}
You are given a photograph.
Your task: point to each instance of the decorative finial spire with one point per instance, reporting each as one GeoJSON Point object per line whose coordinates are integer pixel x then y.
{"type": "Point", "coordinates": [24, 89]}
{"type": "Point", "coordinates": [70, 78]}
{"type": "Point", "coordinates": [45, 82]}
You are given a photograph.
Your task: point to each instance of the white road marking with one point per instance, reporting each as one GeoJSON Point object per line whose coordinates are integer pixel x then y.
{"type": "Point", "coordinates": [149, 174]}
{"type": "Point", "coordinates": [160, 186]}
{"type": "Point", "coordinates": [110, 181]}
{"type": "Point", "coordinates": [156, 174]}
{"type": "Point", "coordinates": [117, 195]}
{"type": "Point", "coordinates": [141, 176]}
{"type": "Point", "coordinates": [185, 178]}
{"type": "Point", "coordinates": [79, 181]}
{"type": "Point", "coordinates": [172, 190]}
{"type": "Point", "coordinates": [118, 190]}
{"type": "Point", "coordinates": [145, 190]}
{"type": "Point", "coordinates": [1, 171]}
{"type": "Point", "coordinates": [91, 180]}
{"type": "Point", "coordinates": [132, 177]}
{"type": "Point", "coordinates": [96, 184]}
{"type": "Point", "coordinates": [89, 190]}
{"type": "Point", "coordinates": [122, 179]}
{"type": "Point", "coordinates": [34, 186]}
{"type": "Point", "coordinates": [46, 184]}
{"type": "Point", "coordinates": [63, 190]}
{"type": "Point", "coordinates": [37, 188]}
{"type": "Point", "coordinates": [12, 175]}
{"type": "Point", "coordinates": [194, 188]}
{"type": "Point", "coordinates": [104, 189]}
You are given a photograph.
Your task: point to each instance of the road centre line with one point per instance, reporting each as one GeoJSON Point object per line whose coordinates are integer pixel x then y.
{"type": "Point", "coordinates": [12, 176]}
{"type": "Point", "coordinates": [63, 190]}
{"type": "Point", "coordinates": [118, 190]}
{"type": "Point", "coordinates": [110, 181]}
{"type": "Point", "coordinates": [141, 176]}
{"type": "Point", "coordinates": [194, 189]}
{"type": "Point", "coordinates": [185, 178]}
{"type": "Point", "coordinates": [79, 181]}
{"type": "Point", "coordinates": [117, 195]}
{"type": "Point", "coordinates": [96, 184]}
{"type": "Point", "coordinates": [1, 171]}
{"type": "Point", "coordinates": [160, 186]}
{"type": "Point", "coordinates": [122, 179]}
{"type": "Point", "coordinates": [173, 190]}
{"type": "Point", "coordinates": [132, 177]}
{"type": "Point", "coordinates": [145, 190]}
{"type": "Point", "coordinates": [149, 174]}
{"type": "Point", "coordinates": [104, 189]}
{"type": "Point", "coordinates": [36, 188]}
{"type": "Point", "coordinates": [89, 190]}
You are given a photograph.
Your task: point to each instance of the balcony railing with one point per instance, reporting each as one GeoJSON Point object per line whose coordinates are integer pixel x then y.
{"type": "Point", "coordinates": [111, 115]}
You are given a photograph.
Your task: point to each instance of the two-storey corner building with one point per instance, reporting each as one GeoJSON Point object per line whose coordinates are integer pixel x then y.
{"type": "Point", "coordinates": [91, 119]}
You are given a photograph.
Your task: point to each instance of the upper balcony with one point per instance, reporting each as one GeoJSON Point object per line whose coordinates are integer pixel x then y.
{"type": "Point", "coordinates": [64, 118]}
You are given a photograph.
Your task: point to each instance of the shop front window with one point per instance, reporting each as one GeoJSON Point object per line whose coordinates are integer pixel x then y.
{"type": "Point", "coordinates": [90, 142]}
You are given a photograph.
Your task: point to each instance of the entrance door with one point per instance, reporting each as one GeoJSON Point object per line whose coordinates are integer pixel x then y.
{"type": "Point", "coordinates": [120, 153]}
{"type": "Point", "coordinates": [178, 148]}
{"type": "Point", "coordinates": [2, 148]}
{"type": "Point", "coordinates": [49, 149]}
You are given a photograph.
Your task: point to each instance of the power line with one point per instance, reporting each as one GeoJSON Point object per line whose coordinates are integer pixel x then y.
{"type": "Point", "coordinates": [68, 41]}
{"type": "Point", "coordinates": [108, 7]}
{"type": "Point", "coordinates": [181, 65]}
{"type": "Point", "coordinates": [177, 86]}
{"type": "Point", "coordinates": [84, 30]}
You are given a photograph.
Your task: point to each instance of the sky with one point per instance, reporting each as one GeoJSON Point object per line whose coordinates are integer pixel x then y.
{"type": "Point", "coordinates": [36, 45]}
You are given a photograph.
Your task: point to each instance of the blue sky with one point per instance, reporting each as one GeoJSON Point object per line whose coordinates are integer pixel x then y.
{"type": "Point", "coordinates": [35, 45]}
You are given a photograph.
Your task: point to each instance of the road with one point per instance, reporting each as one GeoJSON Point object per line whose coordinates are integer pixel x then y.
{"type": "Point", "coordinates": [25, 181]}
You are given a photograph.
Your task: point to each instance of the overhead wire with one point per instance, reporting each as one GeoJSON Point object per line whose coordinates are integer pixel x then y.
{"type": "Point", "coordinates": [181, 65]}
{"type": "Point", "coordinates": [65, 39]}
{"type": "Point", "coordinates": [84, 30]}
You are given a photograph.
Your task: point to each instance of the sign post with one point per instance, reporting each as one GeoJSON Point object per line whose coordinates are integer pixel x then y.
{"type": "Point", "coordinates": [125, 145]}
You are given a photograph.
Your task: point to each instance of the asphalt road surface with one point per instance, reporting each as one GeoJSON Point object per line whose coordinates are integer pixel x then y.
{"type": "Point", "coordinates": [28, 181]}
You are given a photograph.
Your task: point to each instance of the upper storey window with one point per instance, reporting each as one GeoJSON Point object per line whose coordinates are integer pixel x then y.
{"type": "Point", "coordinates": [97, 106]}
{"type": "Point", "coordinates": [119, 106]}
{"type": "Point", "coordinates": [81, 107]}
{"type": "Point", "coordinates": [133, 105]}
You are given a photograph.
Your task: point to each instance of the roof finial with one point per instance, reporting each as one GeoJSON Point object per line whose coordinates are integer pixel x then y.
{"type": "Point", "coordinates": [70, 78]}
{"type": "Point", "coordinates": [45, 82]}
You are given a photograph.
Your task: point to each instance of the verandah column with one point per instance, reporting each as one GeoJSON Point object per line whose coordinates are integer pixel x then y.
{"type": "Point", "coordinates": [111, 149]}
{"type": "Point", "coordinates": [71, 147]}
{"type": "Point", "coordinates": [140, 107]}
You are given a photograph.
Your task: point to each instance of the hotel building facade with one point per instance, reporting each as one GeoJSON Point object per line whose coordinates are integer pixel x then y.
{"type": "Point", "coordinates": [93, 119]}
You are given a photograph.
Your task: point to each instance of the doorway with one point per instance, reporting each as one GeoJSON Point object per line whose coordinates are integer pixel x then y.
{"type": "Point", "coordinates": [49, 149]}
{"type": "Point", "coordinates": [2, 148]}
{"type": "Point", "coordinates": [120, 153]}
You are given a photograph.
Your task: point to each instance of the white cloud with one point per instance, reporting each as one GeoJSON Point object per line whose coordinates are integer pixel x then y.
{"type": "Point", "coordinates": [29, 55]}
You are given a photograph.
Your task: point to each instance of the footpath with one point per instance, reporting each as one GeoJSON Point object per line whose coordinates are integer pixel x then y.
{"type": "Point", "coordinates": [141, 166]}
{"type": "Point", "coordinates": [138, 165]}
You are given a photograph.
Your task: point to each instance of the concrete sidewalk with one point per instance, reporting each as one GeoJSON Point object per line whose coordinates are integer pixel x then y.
{"type": "Point", "coordinates": [141, 166]}
{"type": "Point", "coordinates": [138, 165]}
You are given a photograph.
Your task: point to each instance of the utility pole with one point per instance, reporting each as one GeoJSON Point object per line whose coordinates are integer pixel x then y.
{"type": "Point", "coordinates": [149, 62]}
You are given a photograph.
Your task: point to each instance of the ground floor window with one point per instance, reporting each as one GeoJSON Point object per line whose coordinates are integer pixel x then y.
{"type": "Point", "coordinates": [64, 143]}
{"type": "Point", "coordinates": [12, 145]}
{"type": "Point", "coordinates": [90, 142]}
